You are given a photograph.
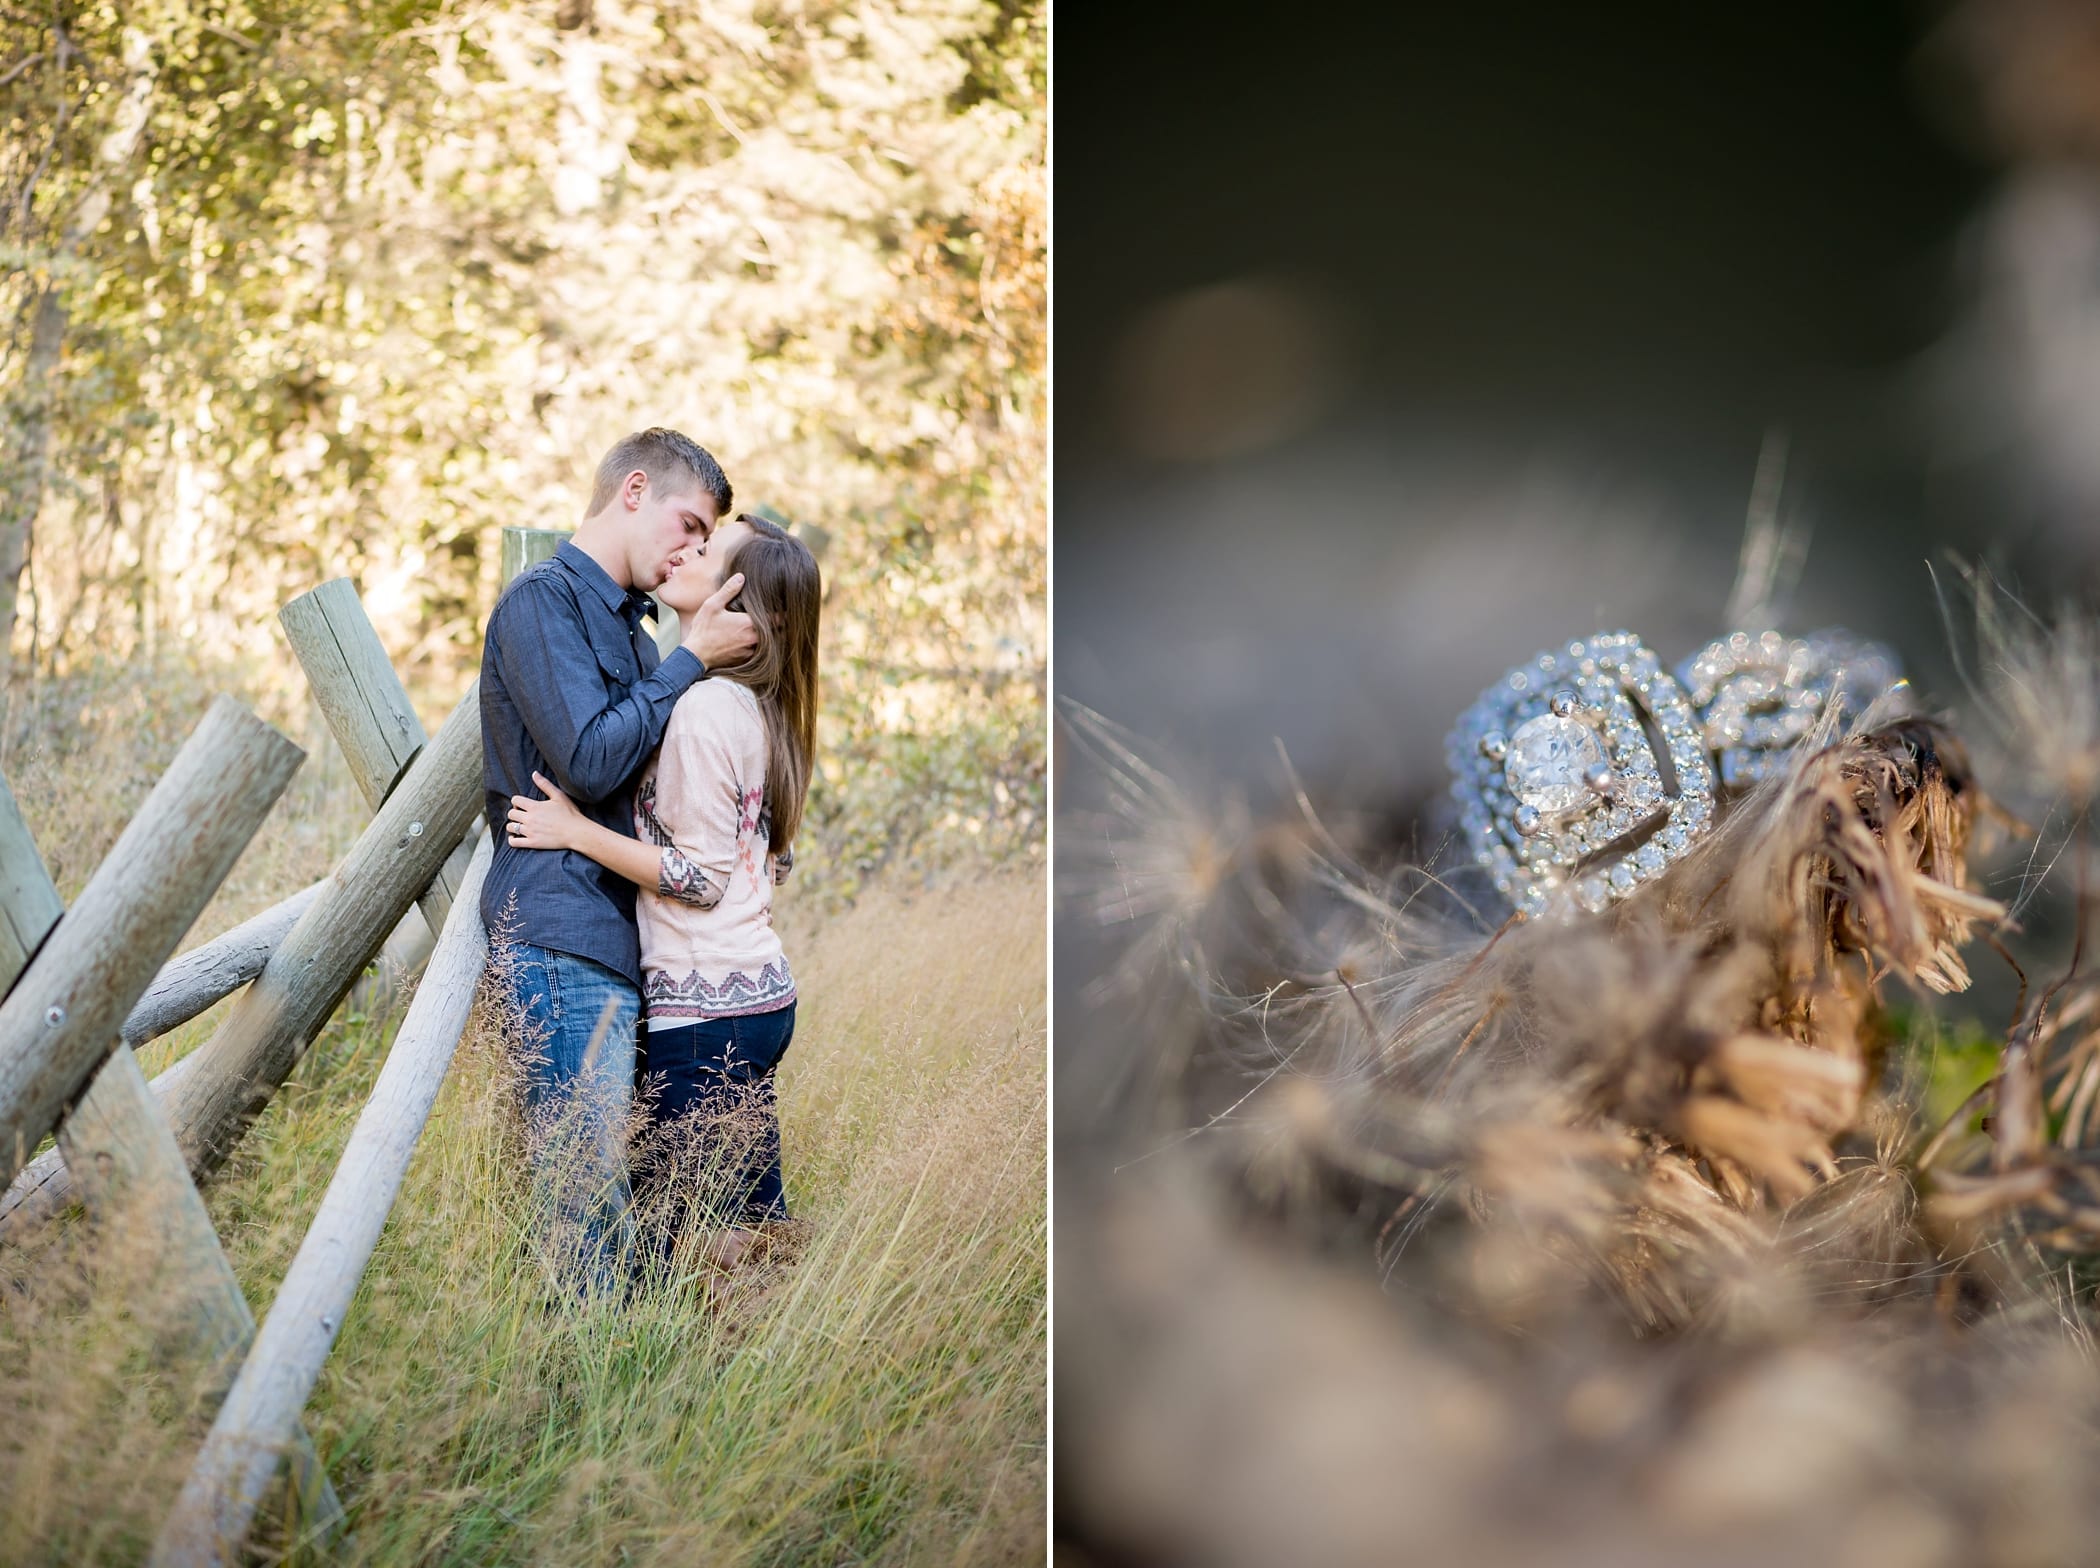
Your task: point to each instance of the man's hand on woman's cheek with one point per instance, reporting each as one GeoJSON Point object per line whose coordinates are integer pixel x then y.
{"type": "Point", "coordinates": [720, 635]}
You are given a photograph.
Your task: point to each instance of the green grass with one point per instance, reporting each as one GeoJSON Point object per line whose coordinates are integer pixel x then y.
{"type": "Point", "coordinates": [883, 1402]}
{"type": "Point", "coordinates": [1946, 1060]}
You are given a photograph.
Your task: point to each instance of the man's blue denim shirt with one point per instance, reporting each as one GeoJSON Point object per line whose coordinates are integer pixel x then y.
{"type": "Point", "coordinates": [570, 689]}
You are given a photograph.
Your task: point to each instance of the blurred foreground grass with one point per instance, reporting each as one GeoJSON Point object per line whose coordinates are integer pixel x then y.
{"type": "Point", "coordinates": [883, 1402]}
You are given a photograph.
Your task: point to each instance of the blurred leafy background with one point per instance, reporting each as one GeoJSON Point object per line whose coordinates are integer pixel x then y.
{"type": "Point", "coordinates": [303, 288]}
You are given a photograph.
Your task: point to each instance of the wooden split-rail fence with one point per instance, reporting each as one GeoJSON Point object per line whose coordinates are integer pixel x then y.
{"type": "Point", "coordinates": [85, 986]}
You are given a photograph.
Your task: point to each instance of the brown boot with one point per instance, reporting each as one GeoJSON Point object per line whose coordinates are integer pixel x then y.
{"type": "Point", "coordinates": [731, 1247]}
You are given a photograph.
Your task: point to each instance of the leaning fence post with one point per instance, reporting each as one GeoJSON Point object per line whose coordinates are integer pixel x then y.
{"type": "Point", "coordinates": [62, 1019]}
{"type": "Point", "coordinates": [185, 987]}
{"type": "Point", "coordinates": [366, 706]}
{"type": "Point", "coordinates": [523, 547]}
{"type": "Point", "coordinates": [233, 1074]}
{"type": "Point", "coordinates": [211, 1518]}
{"type": "Point", "coordinates": [120, 1142]}
{"type": "Point", "coordinates": [29, 904]}
{"type": "Point", "coordinates": [368, 712]}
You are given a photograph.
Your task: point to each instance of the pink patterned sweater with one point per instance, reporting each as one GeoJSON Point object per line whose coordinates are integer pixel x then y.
{"type": "Point", "coordinates": [708, 945]}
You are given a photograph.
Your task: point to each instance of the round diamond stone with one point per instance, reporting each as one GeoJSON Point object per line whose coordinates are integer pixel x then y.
{"type": "Point", "coordinates": [1547, 760]}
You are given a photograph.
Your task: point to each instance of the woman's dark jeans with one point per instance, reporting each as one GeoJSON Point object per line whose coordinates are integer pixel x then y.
{"type": "Point", "coordinates": [714, 1122]}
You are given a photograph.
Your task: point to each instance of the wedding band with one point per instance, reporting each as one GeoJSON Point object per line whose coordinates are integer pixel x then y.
{"type": "Point", "coordinates": [1758, 693]}
{"type": "Point", "coordinates": [1581, 775]}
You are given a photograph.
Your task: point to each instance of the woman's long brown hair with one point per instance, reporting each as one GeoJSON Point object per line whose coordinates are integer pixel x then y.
{"type": "Point", "coordinates": [783, 594]}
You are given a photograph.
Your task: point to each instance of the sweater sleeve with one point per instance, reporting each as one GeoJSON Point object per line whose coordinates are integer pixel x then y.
{"type": "Point", "coordinates": [701, 804]}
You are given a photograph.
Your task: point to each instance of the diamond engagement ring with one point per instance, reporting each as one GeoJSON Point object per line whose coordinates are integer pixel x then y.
{"type": "Point", "coordinates": [1581, 775]}
{"type": "Point", "coordinates": [1758, 693]}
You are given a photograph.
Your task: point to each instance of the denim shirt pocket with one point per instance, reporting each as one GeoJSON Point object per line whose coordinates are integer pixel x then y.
{"type": "Point", "coordinates": [615, 659]}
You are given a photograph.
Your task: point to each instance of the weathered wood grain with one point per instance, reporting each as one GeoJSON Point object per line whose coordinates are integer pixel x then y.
{"type": "Point", "coordinates": [366, 706]}
{"type": "Point", "coordinates": [29, 903]}
{"type": "Point", "coordinates": [523, 547]}
{"type": "Point", "coordinates": [191, 982]}
{"type": "Point", "coordinates": [129, 1160]}
{"type": "Point", "coordinates": [29, 908]}
{"type": "Point", "coordinates": [212, 1516]}
{"type": "Point", "coordinates": [42, 1188]}
{"type": "Point", "coordinates": [62, 1019]}
{"type": "Point", "coordinates": [187, 985]}
{"type": "Point", "coordinates": [361, 696]}
{"type": "Point", "coordinates": [232, 1076]}
{"type": "Point", "coordinates": [374, 992]}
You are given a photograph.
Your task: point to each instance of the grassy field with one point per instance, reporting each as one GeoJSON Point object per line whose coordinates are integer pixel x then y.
{"type": "Point", "coordinates": [884, 1401]}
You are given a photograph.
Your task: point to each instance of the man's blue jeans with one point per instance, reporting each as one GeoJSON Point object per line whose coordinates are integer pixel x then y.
{"type": "Point", "coordinates": [577, 1100]}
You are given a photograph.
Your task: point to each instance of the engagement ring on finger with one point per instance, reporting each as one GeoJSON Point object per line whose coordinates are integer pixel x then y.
{"type": "Point", "coordinates": [1581, 775]}
{"type": "Point", "coordinates": [1758, 694]}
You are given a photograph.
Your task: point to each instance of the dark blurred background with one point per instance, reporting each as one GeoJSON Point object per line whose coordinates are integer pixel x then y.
{"type": "Point", "coordinates": [1393, 345]}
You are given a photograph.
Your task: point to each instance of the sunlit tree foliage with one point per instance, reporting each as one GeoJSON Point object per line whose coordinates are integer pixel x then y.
{"type": "Point", "coordinates": [301, 288]}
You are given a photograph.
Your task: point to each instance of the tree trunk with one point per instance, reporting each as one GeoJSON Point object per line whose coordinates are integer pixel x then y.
{"type": "Point", "coordinates": [22, 489]}
{"type": "Point", "coordinates": [29, 451]}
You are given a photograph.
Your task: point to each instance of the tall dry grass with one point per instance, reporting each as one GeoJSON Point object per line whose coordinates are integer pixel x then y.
{"type": "Point", "coordinates": [82, 751]}
{"type": "Point", "coordinates": [880, 1399]}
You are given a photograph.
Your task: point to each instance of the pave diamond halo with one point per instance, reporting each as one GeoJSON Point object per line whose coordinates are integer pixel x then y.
{"type": "Point", "coordinates": [1581, 775]}
{"type": "Point", "coordinates": [1758, 693]}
